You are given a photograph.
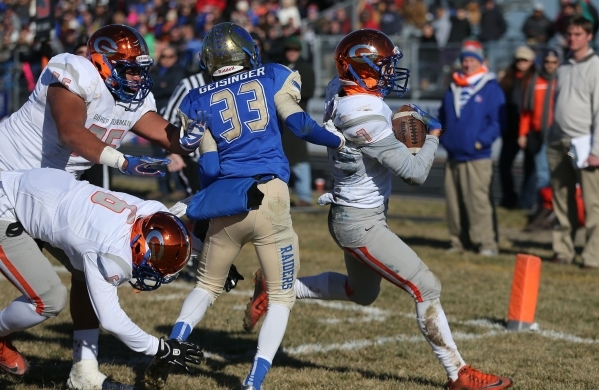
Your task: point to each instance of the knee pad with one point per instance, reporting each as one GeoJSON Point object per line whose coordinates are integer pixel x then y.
{"type": "Point", "coordinates": [54, 300]}
{"type": "Point", "coordinates": [282, 297]}
{"type": "Point", "coordinates": [428, 284]}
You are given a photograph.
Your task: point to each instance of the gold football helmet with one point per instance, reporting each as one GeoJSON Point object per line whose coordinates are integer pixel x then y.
{"type": "Point", "coordinates": [228, 48]}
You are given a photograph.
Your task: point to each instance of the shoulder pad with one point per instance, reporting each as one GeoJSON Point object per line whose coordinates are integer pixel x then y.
{"type": "Point", "coordinates": [363, 119]}
{"type": "Point", "coordinates": [76, 73]}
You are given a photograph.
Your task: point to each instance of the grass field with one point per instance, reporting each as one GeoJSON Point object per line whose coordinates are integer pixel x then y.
{"type": "Point", "coordinates": [338, 345]}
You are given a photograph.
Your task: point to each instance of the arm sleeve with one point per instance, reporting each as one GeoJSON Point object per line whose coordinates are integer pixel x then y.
{"type": "Point", "coordinates": [396, 157]}
{"type": "Point", "coordinates": [300, 123]}
{"type": "Point", "coordinates": [102, 275]}
{"type": "Point", "coordinates": [209, 168]}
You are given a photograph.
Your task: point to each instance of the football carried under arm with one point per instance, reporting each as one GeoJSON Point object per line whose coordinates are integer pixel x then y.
{"type": "Point", "coordinates": [432, 124]}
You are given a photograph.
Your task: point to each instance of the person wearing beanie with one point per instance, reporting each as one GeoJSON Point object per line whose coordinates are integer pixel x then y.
{"type": "Point", "coordinates": [535, 119]}
{"type": "Point", "coordinates": [472, 111]}
{"type": "Point", "coordinates": [516, 77]}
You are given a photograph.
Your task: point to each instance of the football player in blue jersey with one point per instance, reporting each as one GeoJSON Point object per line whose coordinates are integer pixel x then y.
{"type": "Point", "coordinates": [236, 119]}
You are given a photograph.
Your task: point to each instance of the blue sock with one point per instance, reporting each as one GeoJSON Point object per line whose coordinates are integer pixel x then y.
{"type": "Point", "coordinates": [257, 373]}
{"type": "Point", "coordinates": [181, 331]}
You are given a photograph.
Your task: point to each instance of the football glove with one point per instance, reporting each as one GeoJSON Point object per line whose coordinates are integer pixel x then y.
{"type": "Point", "coordinates": [430, 122]}
{"type": "Point", "coordinates": [192, 130]}
{"type": "Point", "coordinates": [330, 127]}
{"type": "Point", "coordinates": [141, 165]}
{"type": "Point", "coordinates": [178, 352]}
{"type": "Point", "coordinates": [232, 278]}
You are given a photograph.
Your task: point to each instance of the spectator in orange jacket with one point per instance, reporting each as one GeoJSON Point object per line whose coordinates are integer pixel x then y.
{"type": "Point", "coordinates": [535, 118]}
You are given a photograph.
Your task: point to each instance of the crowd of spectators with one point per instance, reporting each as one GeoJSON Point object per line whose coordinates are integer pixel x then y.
{"type": "Point", "coordinates": [441, 26]}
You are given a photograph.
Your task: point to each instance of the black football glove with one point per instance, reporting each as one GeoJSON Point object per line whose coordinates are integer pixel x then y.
{"type": "Point", "coordinates": [179, 352]}
{"type": "Point", "coordinates": [232, 278]}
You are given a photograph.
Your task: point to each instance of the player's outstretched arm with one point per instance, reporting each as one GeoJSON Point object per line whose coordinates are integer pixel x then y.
{"type": "Point", "coordinates": [300, 123]}
{"type": "Point", "coordinates": [157, 130]}
{"type": "Point", "coordinates": [179, 353]}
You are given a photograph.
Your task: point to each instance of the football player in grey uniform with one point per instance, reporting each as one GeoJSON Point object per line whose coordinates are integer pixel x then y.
{"type": "Point", "coordinates": [367, 67]}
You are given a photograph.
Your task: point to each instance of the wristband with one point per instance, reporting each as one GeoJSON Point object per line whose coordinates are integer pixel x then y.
{"type": "Point", "coordinates": [112, 157]}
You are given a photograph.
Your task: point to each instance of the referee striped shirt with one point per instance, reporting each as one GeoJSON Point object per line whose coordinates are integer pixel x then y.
{"type": "Point", "coordinates": [170, 111]}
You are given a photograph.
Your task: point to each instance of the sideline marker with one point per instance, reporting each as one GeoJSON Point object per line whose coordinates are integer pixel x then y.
{"type": "Point", "coordinates": [525, 291]}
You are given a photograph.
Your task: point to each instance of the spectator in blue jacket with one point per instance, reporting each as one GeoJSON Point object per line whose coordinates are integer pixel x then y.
{"type": "Point", "coordinates": [473, 114]}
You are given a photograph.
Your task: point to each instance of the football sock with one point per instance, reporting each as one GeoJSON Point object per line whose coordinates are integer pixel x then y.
{"type": "Point", "coordinates": [85, 344]}
{"type": "Point", "coordinates": [193, 310]}
{"type": "Point", "coordinates": [327, 286]}
{"type": "Point", "coordinates": [269, 340]}
{"type": "Point", "coordinates": [435, 328]}
{"type": "Point", "coordinates": [257, 373]}
{"type": "Point", "coordinates": [19, 315]}
{"type": "Point", "coordinates": [272, 331]}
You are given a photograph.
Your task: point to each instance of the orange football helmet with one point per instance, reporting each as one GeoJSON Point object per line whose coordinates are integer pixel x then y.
{"type": "Point", "coordinates": [161, 246]}
{"type": "Point", "coordinates": [369, 59]}
{"type": "Point", "coordinates": [116, 50]}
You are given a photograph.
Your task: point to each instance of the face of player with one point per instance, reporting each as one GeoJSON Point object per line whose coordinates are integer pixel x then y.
{"type": "Point", "coordinates": [470, 65]}
{"type": "Point", "coordinates": [578, 39]}
{"type": "Point", "coordinates": [132, 74]}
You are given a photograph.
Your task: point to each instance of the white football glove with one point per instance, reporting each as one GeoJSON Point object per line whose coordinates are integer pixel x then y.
{"type": "Point", "coordinates": [180, 208]}
{"type": "Point", "coordinates": [330, 127]}
{"type": "Point", "coordinates": [325, 199]}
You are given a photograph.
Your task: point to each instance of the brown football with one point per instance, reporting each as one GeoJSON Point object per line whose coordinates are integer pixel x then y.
{"type": "Point", "coordinates": [408, 130]}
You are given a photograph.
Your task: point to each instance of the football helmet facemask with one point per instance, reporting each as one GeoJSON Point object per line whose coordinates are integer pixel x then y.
{"type": "Point", "coordinates": [161, 247]}
{"type": "Point", "coordinates": [117, 50]}
{"type": "Point", "coordinates": [369, 59]}
{"type": "Point", "coordinates": [228, 48]}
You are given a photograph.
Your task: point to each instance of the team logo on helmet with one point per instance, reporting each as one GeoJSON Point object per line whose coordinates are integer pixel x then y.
{"type": "Point", "coordinates": [358, 51]}
{"type": "Point", "coordinates": [107, 48]}
{"type": "Point", "coordinates": [155, 241]}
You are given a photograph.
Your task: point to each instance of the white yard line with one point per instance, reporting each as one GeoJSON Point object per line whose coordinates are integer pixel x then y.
{"type": "Point", "coordinates": [366, 314]}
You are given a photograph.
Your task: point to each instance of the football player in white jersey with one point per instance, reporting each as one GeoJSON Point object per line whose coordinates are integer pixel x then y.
{"type": "Point", "coordinates": [367, 67]}
{"type": "Point", "coordinates": [109, 237]}
{"type": "Point", "coordinates": [79, 112]}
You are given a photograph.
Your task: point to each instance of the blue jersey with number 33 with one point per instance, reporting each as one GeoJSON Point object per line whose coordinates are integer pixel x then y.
{"type": "Point", "coordinates": [245, 123]}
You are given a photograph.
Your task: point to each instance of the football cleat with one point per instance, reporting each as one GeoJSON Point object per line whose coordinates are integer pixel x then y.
{"type": "Point", "coordinates": [247, 387]}
{"type": "Point", "coordinates": [156, 374]}
{"type": "Point", "coordinates": [10, 359]}
{"type": "Point", "coordinates": [110, 384]}
{"type": "Point", "coordinates": [471, 379]}
{"type": "Point", "coordinates": [258, 305]}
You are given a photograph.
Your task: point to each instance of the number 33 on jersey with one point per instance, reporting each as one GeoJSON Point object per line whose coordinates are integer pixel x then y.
{"type": "Point", "coordinates": [245, 118]}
